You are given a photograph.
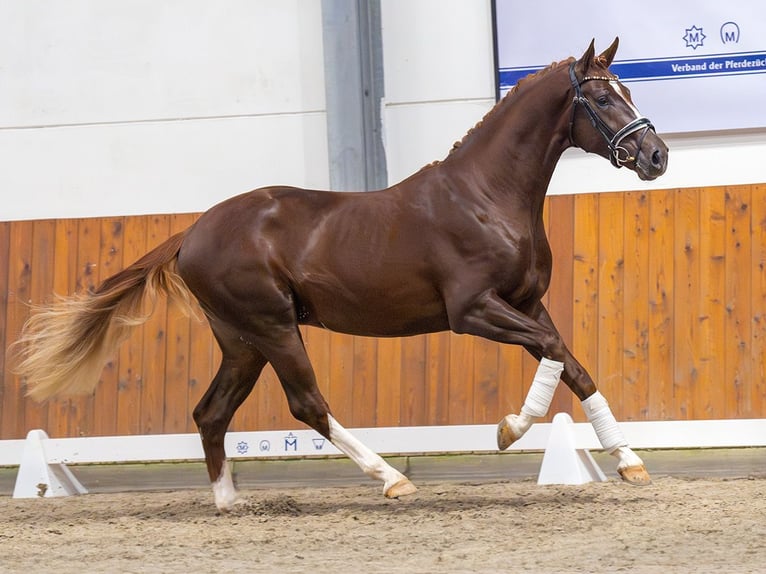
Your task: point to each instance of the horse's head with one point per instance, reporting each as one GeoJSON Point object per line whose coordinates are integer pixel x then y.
{"type": "Point", "coordinates": [605, 120]}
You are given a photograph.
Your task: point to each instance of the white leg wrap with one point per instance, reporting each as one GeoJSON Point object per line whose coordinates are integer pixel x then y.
{"type": "Point", "coordinates": [371, 463]}
{"type": "Point", "coordinates": [600, 416]}
{"type": "Point", "coordinates": [544, 384]}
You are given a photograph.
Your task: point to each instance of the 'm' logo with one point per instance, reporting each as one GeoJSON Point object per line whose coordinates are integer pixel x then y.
{"type": "Point", "coordinates": [730, 33]}
{"type": "Point", "coordinates": [694, 37]}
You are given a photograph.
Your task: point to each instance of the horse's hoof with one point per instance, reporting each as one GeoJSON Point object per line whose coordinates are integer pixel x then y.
{"type": "Point", "coordinates": [226, 506]}
{"type": "Point", "coordinates": [505, 434]}
{"type": "Point", "coordinates": [635, 475]}
{"type": "Point", "coordinates": [401, 488]}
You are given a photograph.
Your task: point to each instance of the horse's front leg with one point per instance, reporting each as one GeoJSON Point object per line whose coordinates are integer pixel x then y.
{"type": "Point", "coordinates": [493, 318]}
{"type": "Point", "coordinates": [630, 466]}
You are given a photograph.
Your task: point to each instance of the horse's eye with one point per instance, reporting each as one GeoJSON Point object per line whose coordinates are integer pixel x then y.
{"type": "Point", "coordinates": [602, 101]}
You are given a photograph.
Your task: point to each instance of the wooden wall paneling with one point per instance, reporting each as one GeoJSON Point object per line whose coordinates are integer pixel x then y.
{"type": "Point", "coordinates": [5, 338]}
{"type": "Point", "coordinates": [758, 372]}
{"type": "Point", "coordinates": [131, 353]}
{"type": "Point", "coordinates": [661, 295]}
{"type": "Point", "coordinates": [41, 286]}
{"type": "Point", "coordinates": [560, 235]}
{"type": "Point", "coordinates": [109, 263]}
{"type": "Point", "coordinates": [155, 343]}
{"type": "Point", "coordinates": [738, 327]}
{"type": "Point", "coordinates": [364, 383]}
{"type": "Point", "coordinates": [178, 329]}
{"type": "Point", "coordinates": [686, 305]}
{"type": "Point", "coordinates": [611, 281]}
{"type": "Point", "coordinates": [61, 423]}
{"type": "Point", "coordinates": [659, 273]}
{"type": "Point", "coordinates": [635, 362]}
{"type": "Point", "coordinates": [437, 378]}
{"type": "Point", "coordinates": [19, 294]}
{"type": "Point", "coordinates": [585, 287]}
{"type": "Point", "coordinates": [710, 394]}
{"type": "Point", "coordinates": [389, 382]}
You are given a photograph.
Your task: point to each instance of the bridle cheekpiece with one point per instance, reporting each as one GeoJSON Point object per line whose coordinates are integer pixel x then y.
{"type": "Point", "coordinates": [619, 156]}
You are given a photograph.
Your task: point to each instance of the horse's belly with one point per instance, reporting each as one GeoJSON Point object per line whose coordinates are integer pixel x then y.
{"type": "Point", "coordinates": [373, 311]}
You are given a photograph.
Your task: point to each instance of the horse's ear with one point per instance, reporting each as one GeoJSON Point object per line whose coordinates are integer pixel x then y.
{"type": "Point", "coordinates": [607, 56]}
{"type": "Point", "coordinates": [582, 65]}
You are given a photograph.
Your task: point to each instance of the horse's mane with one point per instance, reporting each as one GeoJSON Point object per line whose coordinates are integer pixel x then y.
{"type": "Point", "coordinates": [504, 102]}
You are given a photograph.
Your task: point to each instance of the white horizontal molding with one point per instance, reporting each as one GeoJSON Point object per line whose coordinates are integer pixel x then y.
{"type": "Point", "coordinates": [386, 440]}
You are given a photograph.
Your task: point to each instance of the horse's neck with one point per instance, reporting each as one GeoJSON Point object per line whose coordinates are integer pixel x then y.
{"type": "Point", "coordinates": [517, 146]}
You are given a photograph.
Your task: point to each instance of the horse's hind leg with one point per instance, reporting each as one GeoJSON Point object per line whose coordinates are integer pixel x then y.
{"type": "Point", "coordinates": [232, 384]}
{"type": "Point", "coordinates": [288, 357]}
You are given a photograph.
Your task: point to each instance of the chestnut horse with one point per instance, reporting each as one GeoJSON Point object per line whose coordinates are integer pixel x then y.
{"type": "Point", "coordinates": [458, 246]}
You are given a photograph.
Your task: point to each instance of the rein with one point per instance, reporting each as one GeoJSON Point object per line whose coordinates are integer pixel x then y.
{"type": "Point", "coordinates": [613, 139]}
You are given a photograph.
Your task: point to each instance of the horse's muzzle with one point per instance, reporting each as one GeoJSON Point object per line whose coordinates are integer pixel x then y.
{"type": "Point", "coordinates": [652, 158]}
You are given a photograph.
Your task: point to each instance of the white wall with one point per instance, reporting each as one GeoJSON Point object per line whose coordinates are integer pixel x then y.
{"type": "Point", "coordinates": [142, 106]}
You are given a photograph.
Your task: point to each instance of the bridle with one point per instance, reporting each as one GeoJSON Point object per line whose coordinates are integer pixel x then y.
{"type": "Point", "coordinates": [619, 156]}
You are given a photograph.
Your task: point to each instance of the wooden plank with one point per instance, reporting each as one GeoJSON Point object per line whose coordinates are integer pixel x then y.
{"type": "Point", "coordinates": [413, 382]}
{"type": "Point", "coordinates": [88, 254]}
{"type": "Point", "coordinates": [437, 378]}
{"type": "Point", "coordinates": [512, 389]}
{"type": "Point", "coordinates": [710, 397]}
{"type": "Point", "coordinates": [13, 424]}
{"type": "Point", "coordinates": [60, 423]}
{"type": "Point", "coordinates": [365, 383]}
{"type": "Point", "coordinates": [389, 382]}
{"type": "Point", "coordinates": [585, 286]}
{"type": "Point", "coordinates": [686, 304]}
{"type": "Point", "coordinates": [635, 364]}
{"type": "Point", "coordinates": [561, 238]}
{"type": "Point", "coordinates": [317, 343]}
{"type": "Point", "coordinates": [5, 338]}
{"type": "Point", "coordinates": [177, 353]}
{"type": "Point", "coordinates": [110, 262]}
{"type": "Point", "coordinates": [132, 351]}
{"type": "Point", "coordinates": [486, 371]}
{"type": "Point", "coordinates": [341, 375]}
{"type": "Point", "coordinates": [660, 274]}
{"type": "Point", "coordinates": [738, 327]}
{"type": "Point", "coordinates": [758, 242]}
{"type": "Point", "coordinates": [41, 288]}
{"type": "Point", "coordinates": [611, 281]}
{"type": "Point", "coordinates": [155, 343]}
{"type": "Point", "coordinates": [461, 387]}
{"type": "Point", "coordinates": [204, 360]}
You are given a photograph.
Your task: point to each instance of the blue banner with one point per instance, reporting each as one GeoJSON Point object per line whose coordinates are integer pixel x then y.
{"type": "Point", "coordinates": [665, 68]}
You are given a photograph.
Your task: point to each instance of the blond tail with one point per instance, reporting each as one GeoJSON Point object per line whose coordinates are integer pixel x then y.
{"type": "Point", "coordinates": [63, 346]}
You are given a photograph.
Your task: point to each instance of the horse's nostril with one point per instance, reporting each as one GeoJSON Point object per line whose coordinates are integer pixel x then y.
{"type": "Point", "coordinates": [657, 159]}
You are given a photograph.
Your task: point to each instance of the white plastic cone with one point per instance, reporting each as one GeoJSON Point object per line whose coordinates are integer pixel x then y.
{"type": "Point", "coordinates": [563, 462]}
{"type": "Point", "coordinates": [37, 478]}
